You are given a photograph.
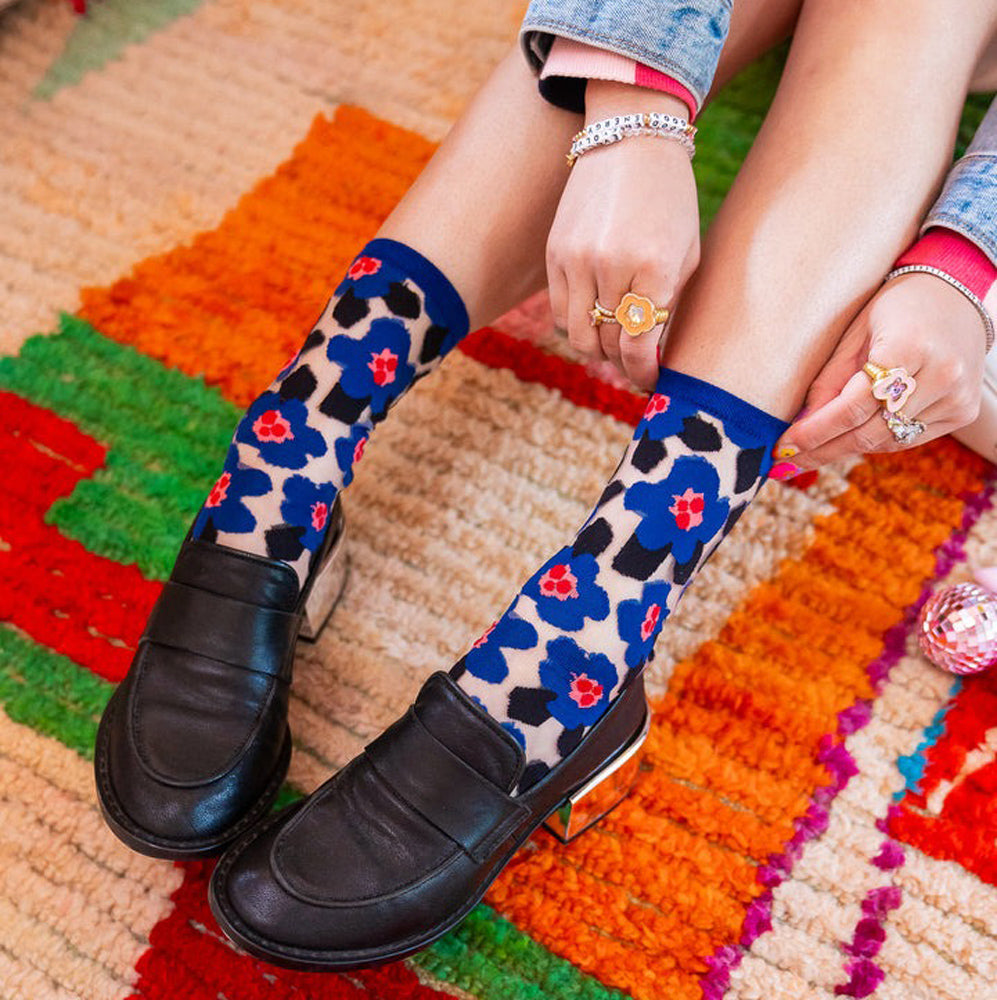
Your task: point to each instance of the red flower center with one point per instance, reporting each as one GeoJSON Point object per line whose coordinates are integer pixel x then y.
{"type": "Point", "coordinates": [383, 366]}
{"type": "Point", "coordinates": [658, 403]}
{"type": "Point", "coordinates": [650, 622]}
{"type": "Point", "coordinates": [363, 266]}
{"type": "Point", "coordinates": [320, 513]}
{"type": "Point", "coordinates": [219, 491]}
{"type": "Point", "coordinates": [271, 426]}
{"type": "Point", "coordinates": [585, 692]}
{"type": "Point", "coordinates": [358, 450]}
{"type": "Point", "coordinates": [559, 582]}
{"type": "Point", "coordinates": [688, 509]}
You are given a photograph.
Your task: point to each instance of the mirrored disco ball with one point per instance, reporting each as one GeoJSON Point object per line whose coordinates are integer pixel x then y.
{"type": "Point", "coordinates": [957, 628]}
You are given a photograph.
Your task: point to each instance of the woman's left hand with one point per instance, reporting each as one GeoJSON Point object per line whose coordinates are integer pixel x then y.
{"type": "Point", "coordinates": [917, 322]}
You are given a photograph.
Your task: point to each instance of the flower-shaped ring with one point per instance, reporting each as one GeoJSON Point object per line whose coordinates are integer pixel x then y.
{"type": "Point", "coordinates": [636, 314]}
{"type": "Point", "coordinates": [891, 386]}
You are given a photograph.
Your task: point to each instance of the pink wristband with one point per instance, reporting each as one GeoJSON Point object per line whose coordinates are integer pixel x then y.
{"type": "Point", "coordinates": [957, 256]}
{"type": "Point", "coordinates": [568, 57]}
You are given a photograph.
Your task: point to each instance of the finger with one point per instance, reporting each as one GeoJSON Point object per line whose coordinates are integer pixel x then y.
{"type": "Point", "coordinates": [851, 409]}
{"type": "Point", "coordinates": [639, 355]}
{"type": "Point", "coordinates": [557, 292]}
{"type": "Point", "coordinates": [871, 437]}
{"type": "Point", "coordinates": [847, 359]}
{"type": "Point", "coordinates": [609, 334]}
{"type": "Point", "coordinates": [613, 282]}
{"type": "Point", "coordinates": [582, 335]}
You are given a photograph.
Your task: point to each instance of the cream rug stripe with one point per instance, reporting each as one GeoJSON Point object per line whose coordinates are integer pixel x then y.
{"type": "Point", "coordinates": [84, 903]}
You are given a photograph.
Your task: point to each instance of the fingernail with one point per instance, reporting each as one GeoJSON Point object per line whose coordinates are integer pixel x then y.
{"type": "Point", "coordinates": [786, 451]}
{"type": "Point", "coordinates": [784, 470]}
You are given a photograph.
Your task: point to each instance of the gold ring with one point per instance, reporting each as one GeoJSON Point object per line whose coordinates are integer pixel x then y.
{"type": "Point", "coordinates": [891, 386]}
{"type": "Point", "coordinates": [636, 314]}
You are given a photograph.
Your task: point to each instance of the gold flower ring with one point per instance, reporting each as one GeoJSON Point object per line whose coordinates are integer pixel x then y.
{"type": "Point", "coordinates": [636, 314]}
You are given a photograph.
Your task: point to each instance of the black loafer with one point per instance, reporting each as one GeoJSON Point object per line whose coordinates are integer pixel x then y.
{"type": "Point", "coordinates": [194, 744]}
{"type": "Point", "coordinates": [399, 846]}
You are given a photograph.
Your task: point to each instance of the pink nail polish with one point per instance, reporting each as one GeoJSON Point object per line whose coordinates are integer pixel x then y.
{"type": "Point", "coordinates": [784, 470]}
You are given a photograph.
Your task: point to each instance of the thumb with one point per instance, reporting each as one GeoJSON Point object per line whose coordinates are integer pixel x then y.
{"type": "Point", "coordinates": [851, 352]}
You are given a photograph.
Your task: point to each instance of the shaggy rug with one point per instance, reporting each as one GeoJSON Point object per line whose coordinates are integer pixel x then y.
{"type": "Point", "coordinates": [182, 181]}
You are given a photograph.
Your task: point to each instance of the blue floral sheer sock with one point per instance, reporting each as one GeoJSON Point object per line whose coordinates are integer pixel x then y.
{"type": "Point", "coordinates": [586, 621]}
{"type": "Point", "coordinates": [390, 322]}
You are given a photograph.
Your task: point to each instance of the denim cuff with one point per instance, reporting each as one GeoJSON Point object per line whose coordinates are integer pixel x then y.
{"type": "Point", "coordinates": [681, 38]}
{"type": "Point", "coordinates": [968, 202]}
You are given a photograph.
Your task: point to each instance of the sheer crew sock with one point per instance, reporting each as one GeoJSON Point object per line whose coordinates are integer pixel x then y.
{"type": "Point", "coordinates": [391, 320]}
{"type": "Point", "coordinates": [587, 620]}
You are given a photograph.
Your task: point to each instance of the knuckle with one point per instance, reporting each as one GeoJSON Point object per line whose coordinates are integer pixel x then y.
{"type": "Point", "coordinates": [579, 339]}
{"type": "Point", "coordinates": [866, 441]}
{"type": "Point", "coordinates": [857, 412]}
{"type": "Point", "coordinates": [950, 371]}
{"type": "Point", "coordinates": [968, 412]}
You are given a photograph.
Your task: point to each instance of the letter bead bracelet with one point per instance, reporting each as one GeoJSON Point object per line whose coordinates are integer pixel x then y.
{"type": "Point", "coordinates": [610, 130]}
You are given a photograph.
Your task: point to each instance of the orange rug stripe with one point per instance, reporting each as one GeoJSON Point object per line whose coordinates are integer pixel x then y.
{"type": "Point", "coordinates": [789, 675]}
{"type": "Point", "coordinates": [231, 308]}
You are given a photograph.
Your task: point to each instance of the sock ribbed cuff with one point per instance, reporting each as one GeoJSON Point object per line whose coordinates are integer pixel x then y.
{"type": "Point", "coordinates": [735, 412]}
{"type": "Point", "coordinates": [435, 285]}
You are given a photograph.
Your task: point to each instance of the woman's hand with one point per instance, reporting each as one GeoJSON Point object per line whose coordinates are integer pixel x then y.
{"type": "Point", "coordinates": [628, 220]}
{"type": "Point", "coordinates": [917, 322]}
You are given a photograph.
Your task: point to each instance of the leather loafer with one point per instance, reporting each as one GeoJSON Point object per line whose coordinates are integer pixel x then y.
{"type": "Point", "coordinates": [395, 849]}
{"type": "Point", "coordinates": [194, 744]}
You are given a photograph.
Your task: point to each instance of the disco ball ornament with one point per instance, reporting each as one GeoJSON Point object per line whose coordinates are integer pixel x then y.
{"type": "Point", "coordinates": [957, 628]}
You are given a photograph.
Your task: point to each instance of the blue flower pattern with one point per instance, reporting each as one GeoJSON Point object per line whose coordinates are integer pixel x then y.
{"type": "Point", "coordinates": [486, 660]}
{"type": "Point", "coordinates": [224, 505]}
{"type": "Point", "coordinates": [664, 416]}
{"type": "Point", "coordinates": [375, 366]}
{"type": "Point", "coordinates": [665, 508]}
{"type": "Point", "coordinates": [639, 621]}
{"type": "Point", "coordinates": [581, 682]}
{"type": "Point", "coordinates": [278, 429]}
{"type": "Point", "coordinates": [565, 591]}
{"type": "Point", "coordinates": [307, 505]}
{"type": "Point", "coordinates": [346, 450]}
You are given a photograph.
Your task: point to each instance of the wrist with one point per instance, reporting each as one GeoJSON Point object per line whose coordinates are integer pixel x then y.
{"type": "Point", "coordinates": [606, 98]}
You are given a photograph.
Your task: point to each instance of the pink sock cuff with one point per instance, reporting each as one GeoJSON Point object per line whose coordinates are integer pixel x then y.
{"type": "Point", "coordinates": [568, 57]}
{"type": "Point", "coordinates": [957, 256]}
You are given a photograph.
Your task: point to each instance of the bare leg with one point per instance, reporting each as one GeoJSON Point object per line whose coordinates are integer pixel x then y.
{"type": "Point", "coordinates": [847, 161]}
{"type": "Point", "coordinates": [483, 206]}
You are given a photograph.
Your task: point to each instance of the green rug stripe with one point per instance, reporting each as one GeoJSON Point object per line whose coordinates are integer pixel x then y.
{"type": "Point", "coordinates": [108, 28]}
{"type": "Point", "coordinates": [728, 127]}
{"type": "Point", "coordinates": [165, 432]}
{"type": "Point", "coordinates": [491, 958]}
{"type": "Point", "coordinates": [49, 692]}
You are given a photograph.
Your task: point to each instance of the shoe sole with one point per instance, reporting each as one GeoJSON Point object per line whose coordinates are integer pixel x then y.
{"type": "Point", "coordinates": [306, 960]}
{"type": "Point", "coordinates": [143, 842]}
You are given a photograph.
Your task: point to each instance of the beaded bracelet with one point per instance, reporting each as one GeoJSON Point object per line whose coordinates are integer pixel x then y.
{"type": "Point", "coordinates": [988, 323]}
{"type": "Point", "coordinates": [610, 130]}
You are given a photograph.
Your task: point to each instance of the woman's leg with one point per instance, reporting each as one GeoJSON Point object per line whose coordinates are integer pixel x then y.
{"type": "Point", "coordinates": [465, 244]}
{"type": "Point", "coordinates": [848, 160]}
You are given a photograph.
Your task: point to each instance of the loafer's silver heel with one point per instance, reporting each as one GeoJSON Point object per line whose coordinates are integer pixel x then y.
{"type": "Point", "coordinates": [328, 586]}
{"type": "Point", "coordinates": [602, 793]}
